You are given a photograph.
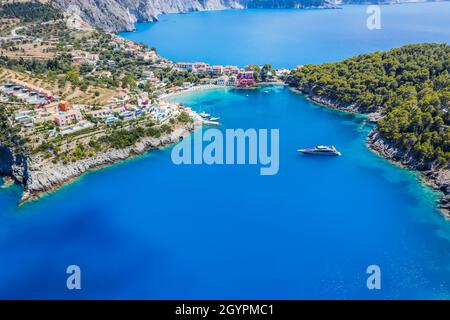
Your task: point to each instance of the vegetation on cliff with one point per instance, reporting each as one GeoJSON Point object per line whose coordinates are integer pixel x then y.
{"type": "Point", "coordinates": [9, 135]}
{"type": "Point", "coordinates": [409, 86]}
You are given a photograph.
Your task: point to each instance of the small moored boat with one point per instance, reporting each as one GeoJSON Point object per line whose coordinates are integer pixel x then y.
{"type": "Point", "coordinates": [321, 151]}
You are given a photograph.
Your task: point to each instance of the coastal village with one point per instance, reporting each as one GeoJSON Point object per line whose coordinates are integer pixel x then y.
{"type": "Point", "coordinates": [137, 97]}
{"type": "Point", "coordinates": [126, 81]}
{"type": "Point", "coordinates": [69, 92]}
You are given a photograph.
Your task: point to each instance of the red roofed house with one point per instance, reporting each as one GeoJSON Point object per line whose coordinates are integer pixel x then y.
{"type": "Point", "coordinates": [64, 106]}
{"type": "Point", "coordinates": [66, 118]}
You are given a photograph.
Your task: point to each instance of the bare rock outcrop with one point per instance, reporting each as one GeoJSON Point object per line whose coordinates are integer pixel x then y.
{"type": "Point", "coordinates": [119, 15]}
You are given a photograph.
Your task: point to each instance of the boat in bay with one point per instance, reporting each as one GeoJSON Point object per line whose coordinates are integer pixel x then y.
{"type": "Point", "coordinates": [321, 151]}
{"type": "Point", "coordinates": [204, 115]}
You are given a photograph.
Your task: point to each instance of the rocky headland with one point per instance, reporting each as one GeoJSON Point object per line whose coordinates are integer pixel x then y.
{"type": "Point", "coordinates": [39, 176]}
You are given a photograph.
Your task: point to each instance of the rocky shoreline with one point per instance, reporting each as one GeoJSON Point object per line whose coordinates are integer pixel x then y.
{"type": "Point", "coordinates": [438, 179]}
{"type": "Point", "coordinates": [40, 176]}
{"type": "Point", "coordinates": [337, 105]}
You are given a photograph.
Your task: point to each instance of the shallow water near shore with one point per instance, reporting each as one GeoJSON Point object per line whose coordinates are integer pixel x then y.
{"type": "Point", "coordinates": [147, 228]}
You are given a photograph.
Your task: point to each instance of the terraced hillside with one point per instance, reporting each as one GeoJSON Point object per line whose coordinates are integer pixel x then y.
{"type": "Point", "coordinates": [93, 95]}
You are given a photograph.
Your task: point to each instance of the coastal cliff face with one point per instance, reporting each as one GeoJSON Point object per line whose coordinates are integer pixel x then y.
{"type": "Point", "coordinates": [121, 15]}
{"type": "Point", "coordinates": [39, 176]}
{"type": "Point", "coordinates": [13, 165]}
{"type": "Point", "coordinates": [118, 15]}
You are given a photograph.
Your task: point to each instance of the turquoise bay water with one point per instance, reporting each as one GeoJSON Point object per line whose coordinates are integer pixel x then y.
{"type": "Point", "coordinates": [146, 228]}
{"type": "Point", "coordinates": [149, 229]}
{"type": "Point", "coordinates": [286, 38]}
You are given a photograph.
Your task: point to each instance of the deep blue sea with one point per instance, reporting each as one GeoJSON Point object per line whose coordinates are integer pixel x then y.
{"type": "Point", "coordinates": [287, 38]}
{"type": "Point", "coordinates": [146, 228]}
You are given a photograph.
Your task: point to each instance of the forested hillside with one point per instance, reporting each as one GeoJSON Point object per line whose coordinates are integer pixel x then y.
{"type": "Point", "coordinates": [409, 86]}
{"type": "Point", "coordinates": [29, 11]}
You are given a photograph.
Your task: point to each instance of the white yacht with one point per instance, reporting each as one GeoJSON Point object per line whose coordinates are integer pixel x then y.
{"type": "Point", "coordinates": [204, 115]}
{"type": "Point", "coordinates": [321, 151]}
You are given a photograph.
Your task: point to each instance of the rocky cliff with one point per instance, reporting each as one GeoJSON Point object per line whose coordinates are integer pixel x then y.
{"type": "Point", "coordinates": [13, 165]}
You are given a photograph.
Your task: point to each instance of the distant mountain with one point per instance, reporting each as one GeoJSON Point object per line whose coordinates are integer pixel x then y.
{"type": "Point", "coordinates": [115, 15]}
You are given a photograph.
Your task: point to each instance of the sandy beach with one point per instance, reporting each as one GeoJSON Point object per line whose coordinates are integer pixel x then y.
{"type": "Point", "coordinates": [192, 89]}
